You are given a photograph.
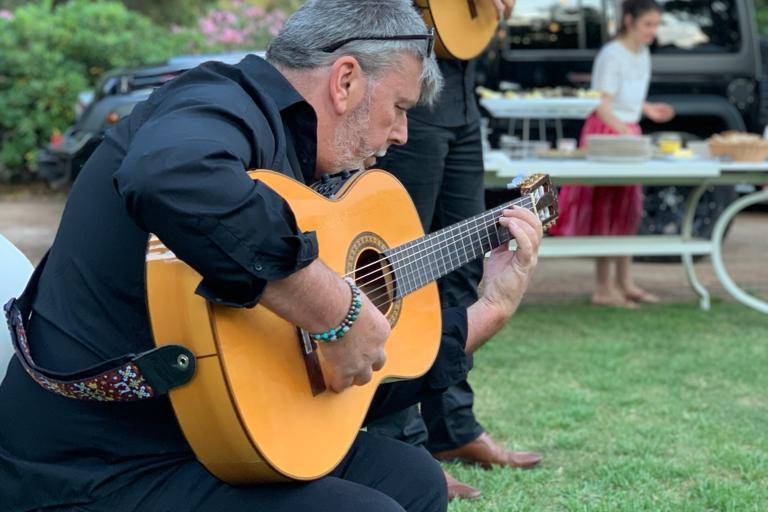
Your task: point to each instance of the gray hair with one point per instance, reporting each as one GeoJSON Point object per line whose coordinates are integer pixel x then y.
{"type": "Point", "coordinates": [321, 23]}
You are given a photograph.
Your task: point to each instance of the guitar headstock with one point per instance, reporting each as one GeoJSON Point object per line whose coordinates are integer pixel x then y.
{"type": "Point", "coordinates": [542, 192]}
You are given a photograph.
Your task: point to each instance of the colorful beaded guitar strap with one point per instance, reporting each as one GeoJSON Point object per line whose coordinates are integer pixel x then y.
{"type": "Point", "coordinates": [127, 378]}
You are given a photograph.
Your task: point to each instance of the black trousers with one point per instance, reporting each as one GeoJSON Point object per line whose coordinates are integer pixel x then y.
{"type": "Point", "coordinates": [370, 478]}
{"type": "Point", "coordinates": [442, 169]}
{"type": "Point", "coordinates": [367, 480]}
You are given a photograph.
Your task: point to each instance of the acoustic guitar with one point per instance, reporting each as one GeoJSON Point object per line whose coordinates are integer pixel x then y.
{"type": "Point", "coordinates": [463, 28]}
{"type": "Point", "coordinates": [257, 409]}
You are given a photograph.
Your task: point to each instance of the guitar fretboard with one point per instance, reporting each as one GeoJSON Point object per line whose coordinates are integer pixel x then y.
{"type": "Point", "coordinates": [421, 261]}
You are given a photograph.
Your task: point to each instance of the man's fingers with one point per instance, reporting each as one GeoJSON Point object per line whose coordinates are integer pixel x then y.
{"type": "Point", "coordinates": [500, 8]}
{"type": "Point", "coordinates": [363, 377]}
{"type": "Point", "coordinates": [533, 235]}
{"type": "Point", "coordinates": [525, 250]}
{"type": "Point", "coordinates": [526, 216]}
{"type": "Point", "coordinates": [510, 6]}
{"type": "Point", "coordinates": [378, 363]}
{"type": "Point", "coordinates": [339, 384]}
{"type": "Point", "coordinates": [532, 226]}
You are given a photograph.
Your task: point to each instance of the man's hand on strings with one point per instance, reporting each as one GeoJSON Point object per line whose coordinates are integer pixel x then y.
{"type": "Point", "coordinates": [507, 273]}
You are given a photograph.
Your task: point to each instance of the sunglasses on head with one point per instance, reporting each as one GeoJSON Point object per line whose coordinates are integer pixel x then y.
{"type": "Point", "coordinates": [429, 37]}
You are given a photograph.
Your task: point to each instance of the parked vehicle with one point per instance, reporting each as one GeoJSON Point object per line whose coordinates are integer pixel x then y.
{"type": "Point", "coordinates": [707, 63]}
{"type": "Point", "coordinates": [113, 98]}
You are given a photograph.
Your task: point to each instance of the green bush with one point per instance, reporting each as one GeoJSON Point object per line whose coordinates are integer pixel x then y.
{"type": "Point", "coordinates": [761, 8]}
{"type": "Point", "coordinates": [48, 55]}
{"type": "Point", "coordinates": [168, 12]}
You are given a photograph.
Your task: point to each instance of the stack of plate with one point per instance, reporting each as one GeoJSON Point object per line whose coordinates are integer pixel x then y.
{"type": "Point", "coordinates": [619, 148]}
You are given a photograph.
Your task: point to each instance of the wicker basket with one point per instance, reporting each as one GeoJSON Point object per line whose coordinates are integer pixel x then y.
{"type": "Point", "coordinates": [739, 147]}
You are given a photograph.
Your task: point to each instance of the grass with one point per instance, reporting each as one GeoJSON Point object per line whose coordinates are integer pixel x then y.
{"type": "Point", "coordinates": [660, 409]}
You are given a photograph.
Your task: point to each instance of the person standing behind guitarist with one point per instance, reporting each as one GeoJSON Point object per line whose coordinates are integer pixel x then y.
{"type": "Point", "coordinates": [441, 166]}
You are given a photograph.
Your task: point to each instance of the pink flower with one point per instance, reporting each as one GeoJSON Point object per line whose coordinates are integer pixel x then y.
{"type": "Point", "coordinates": [229, 18]}
{"type": "Point", "coordinates": [231, 36]}
{"type": "Point", "coordinates": [5, 14]}
{"type": "Point", "coordinates": [207, 26]}
{"type": "Point", "coordinates": [255, 11]}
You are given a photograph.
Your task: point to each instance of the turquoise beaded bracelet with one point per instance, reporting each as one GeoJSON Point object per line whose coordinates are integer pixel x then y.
{"type": "Point", "coordinates": [339, 331]}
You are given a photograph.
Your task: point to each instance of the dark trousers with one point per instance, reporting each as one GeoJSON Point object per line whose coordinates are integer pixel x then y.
{"type": "Point", "coordinates": [372, 477]}
{"type": "Point", "coordinates": [367, 480]}
{"type": "Point", "coordinates": [442, 169]}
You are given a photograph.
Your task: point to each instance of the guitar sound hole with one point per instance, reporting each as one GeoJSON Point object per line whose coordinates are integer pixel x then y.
{"type": "Point", "coordinates": [374, 276]}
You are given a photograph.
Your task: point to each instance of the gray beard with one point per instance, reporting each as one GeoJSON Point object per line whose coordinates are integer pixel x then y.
{"type": "Point", "coordinates": [350, 143]}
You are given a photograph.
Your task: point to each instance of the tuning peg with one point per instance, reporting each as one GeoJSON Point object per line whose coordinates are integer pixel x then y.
{"type": "Point", "coordinates": [517, 181]}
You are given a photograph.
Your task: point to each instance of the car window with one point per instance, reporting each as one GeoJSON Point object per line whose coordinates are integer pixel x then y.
{"type": "Point", "coordinates": [698, 26]}
{"type": "Point", "coordinates": [557, 24]}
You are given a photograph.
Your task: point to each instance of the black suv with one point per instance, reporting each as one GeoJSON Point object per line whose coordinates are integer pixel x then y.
{"type": "Point", "coordinates": [113, 98]}
{"type": "Point", "coordinates": [706, 63]}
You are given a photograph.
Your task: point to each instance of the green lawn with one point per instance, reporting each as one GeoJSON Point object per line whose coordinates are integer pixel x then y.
{"type": "Point", "coordinates": [660, 409]}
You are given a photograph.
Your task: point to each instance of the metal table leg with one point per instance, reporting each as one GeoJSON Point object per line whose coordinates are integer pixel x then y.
{"type": "Point", "coordinates": [717, 254]}
{"type": "Point", "coordinates": [687, 234]}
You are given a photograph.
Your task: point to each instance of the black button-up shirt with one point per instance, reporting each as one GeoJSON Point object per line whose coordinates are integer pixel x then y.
{"type": "Point", "coordinates": [175, 167]}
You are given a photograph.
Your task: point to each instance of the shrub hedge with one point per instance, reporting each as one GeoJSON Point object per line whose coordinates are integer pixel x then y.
{"type": "Point", "coordinates": [49, 54]}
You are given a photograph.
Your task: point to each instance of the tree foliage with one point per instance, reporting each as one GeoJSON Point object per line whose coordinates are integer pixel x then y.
{"type": "Point", "coordinates": [48, 54]}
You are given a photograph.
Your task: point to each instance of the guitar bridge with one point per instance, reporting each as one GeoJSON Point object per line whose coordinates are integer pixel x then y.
{"type": "Point", "coordinates": [311, 362]}
{"type": "Point", "coordinates": [472, 9]}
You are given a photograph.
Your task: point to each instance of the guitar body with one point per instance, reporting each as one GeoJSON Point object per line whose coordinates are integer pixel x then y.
{"type": "Point", "coordinates": [463, 27]}
{"type": "Point", "coordinates": [249, 412]}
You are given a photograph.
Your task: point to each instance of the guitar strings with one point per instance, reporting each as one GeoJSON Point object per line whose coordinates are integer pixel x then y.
{"type": "Point", "coordinates": [412, 276]}
{"type": "Point", "coordinates": [426, 238]}
{"type": "Point", "coordinates": [415, 273]}
{"type": "Point", "coordinates": [419, 254]}
{"type": "Point", "coordinates": [462, 237]}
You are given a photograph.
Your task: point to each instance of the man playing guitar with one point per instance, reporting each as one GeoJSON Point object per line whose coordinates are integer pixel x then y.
{"type": "Point", "coordinates": [334, 91]}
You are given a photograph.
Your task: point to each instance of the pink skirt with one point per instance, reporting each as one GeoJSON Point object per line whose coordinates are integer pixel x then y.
{"type": "Point", "coordinates": [600, 210]}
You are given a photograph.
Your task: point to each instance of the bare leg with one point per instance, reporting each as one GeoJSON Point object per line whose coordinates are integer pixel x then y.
{"type": "Point", "coordinates": [607, 293]}
{"type": "Point", "coordinates": [627, 285]}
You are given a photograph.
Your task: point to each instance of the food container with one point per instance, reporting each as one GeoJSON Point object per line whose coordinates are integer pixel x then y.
{"type": "Point", "coordinates": [699, 148]}
{"type": "Point", "coordinates": [669, 143]}
{"type": "Point", "coordinates": [739, 146]}
{"type": "Point", "coordinates": [566, 145]}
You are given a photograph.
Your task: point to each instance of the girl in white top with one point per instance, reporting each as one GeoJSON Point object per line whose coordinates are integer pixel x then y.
{"type": "Point", "coordinates": [622, 73]}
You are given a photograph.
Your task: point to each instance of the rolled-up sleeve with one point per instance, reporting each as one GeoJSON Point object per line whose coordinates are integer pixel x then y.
{"type": "Point", "coordinates": [184, 179]}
